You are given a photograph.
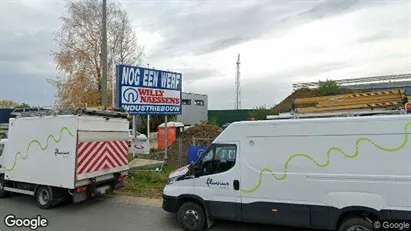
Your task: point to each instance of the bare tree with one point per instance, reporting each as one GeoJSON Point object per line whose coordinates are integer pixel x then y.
{"type": "Point", "coordinates": [79, 58]}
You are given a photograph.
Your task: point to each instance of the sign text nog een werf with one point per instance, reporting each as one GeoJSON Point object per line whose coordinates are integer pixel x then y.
{"type": "Point", "coordinates": [149, 92]}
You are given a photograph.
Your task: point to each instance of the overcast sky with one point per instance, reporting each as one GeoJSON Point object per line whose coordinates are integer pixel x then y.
{"type": "Point", "coordinates": [280, 42]}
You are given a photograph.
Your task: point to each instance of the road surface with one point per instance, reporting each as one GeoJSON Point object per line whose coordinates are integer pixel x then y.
{"type": "Point", "coordinates": [106, 213]}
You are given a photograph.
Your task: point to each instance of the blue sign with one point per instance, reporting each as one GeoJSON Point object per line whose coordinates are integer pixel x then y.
{"type": "Point", "coordinates": [194, 152]}
{"type": "Point", "coordinates": [144, 91]}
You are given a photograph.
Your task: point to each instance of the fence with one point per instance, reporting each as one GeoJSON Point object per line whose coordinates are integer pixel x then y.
{"type": "Point", "coordinates": [3, 130]}
{"type": "Point", "coordinates": [180, 153]}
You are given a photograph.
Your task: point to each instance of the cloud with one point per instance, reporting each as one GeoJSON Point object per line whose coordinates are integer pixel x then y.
{"type": "Point", "coordinates": [221, 94]}
{"type": "Point", "coordinates": [200, 29]}
{"type": "Point", "coordinates": [375, 37]}
{"type": "Point", "coordinates": [280, 42]}
{"type": "Point", "coordinates": [324, 9]}
{"type": "Point", "coordinates": [222, 44]}
{"type": "Point", "coordinates": [27, 51]}
{"type": "Point", "coordinates": [265, 89]}
{"type": "Point", "coordinates": [24, 87]}
{"type": "Point", "coordinates": [191, 75]}
{"type": "Point", "coordinates": [194, 29]}
{"type": "Point", "coordinates": [25, 44]}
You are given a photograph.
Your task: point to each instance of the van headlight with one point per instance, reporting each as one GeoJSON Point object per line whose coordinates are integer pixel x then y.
{"type": "Point", "coordinates": [172, 180]}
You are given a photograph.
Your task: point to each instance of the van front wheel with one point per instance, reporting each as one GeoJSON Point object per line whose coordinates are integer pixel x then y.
{"type": "Point", "coordinates": [356, 224]}
{"type": "Point", "coordinates": [191, 217]}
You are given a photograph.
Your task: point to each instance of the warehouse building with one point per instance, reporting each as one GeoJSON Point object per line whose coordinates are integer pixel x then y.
{"type": "Point", "coordinates": [195, 109]}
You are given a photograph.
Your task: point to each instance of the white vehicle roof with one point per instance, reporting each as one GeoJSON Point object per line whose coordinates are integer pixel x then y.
{"type": "Point", "coordinates": [239, 130]}
{"type": "Point", "coordinates": [172, 124]}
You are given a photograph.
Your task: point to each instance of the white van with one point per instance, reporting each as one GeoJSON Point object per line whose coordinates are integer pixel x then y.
{"type": "Point", "coordinates": [319, 173]}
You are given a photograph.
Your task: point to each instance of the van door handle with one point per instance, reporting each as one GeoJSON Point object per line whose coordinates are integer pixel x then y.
{"type": "Point", "coordinates": [236, 185]}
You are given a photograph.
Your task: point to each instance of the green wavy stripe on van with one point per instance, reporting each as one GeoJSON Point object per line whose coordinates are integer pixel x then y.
{"type": "Point", "coordinates": [329, 152]}
{"type": "Point", "coordinates": [40, 145]}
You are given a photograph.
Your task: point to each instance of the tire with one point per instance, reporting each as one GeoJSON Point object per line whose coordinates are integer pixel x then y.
{"type": "Point", "coordinates": [191, 217]}
{"type": "Point", "coordinates": [3, 194]}
{"type": "Point", "coordinates": [356, 224]}
{"type": "Point", "coordinates": [44, 197]}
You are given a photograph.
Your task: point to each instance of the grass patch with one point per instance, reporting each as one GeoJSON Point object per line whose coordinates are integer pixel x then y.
{"type": "Point", "coordinates": [149, 184]}
{"type": "Point", "coordinates": [130, 157]}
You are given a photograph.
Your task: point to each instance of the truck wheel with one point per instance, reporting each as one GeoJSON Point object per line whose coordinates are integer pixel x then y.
{"type": "Point", "coordinates": [356, 224]}
{"type": "Point", "coordinates": [3, 193]}
{"type": "Point", "coordinates": [191, 217]}
{"type": "Point", "coordinates": [44, 197]}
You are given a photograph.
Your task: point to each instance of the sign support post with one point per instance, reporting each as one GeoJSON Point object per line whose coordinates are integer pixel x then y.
{"type": "Point", "coordinates": [148, 128]}
{"type": "Point", "coordinates": [134, 126]}
{"type": "Point", "coordinates": [166, 138]}
{"type": "Point", "coordinates": [180, 146]}
{"type": "Point", "coordinates": [134, 132]}
{"type": "Point", "coordinates": [113, 80]}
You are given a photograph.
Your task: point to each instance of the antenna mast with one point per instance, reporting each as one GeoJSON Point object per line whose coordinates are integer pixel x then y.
{"type": "Point", "coordinates": [237, 86]}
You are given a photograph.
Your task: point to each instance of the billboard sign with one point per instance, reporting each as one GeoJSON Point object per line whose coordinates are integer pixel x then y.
{"type": "Point", "coordinates": [195, 152]}
{"type": "Point", "coordinates": [140, 145]}
{"type": "Point", "coordinates": [144, 91]}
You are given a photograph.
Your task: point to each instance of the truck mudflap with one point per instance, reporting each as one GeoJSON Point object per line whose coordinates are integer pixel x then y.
{"type": "Point", "coordinates": [104, 188]}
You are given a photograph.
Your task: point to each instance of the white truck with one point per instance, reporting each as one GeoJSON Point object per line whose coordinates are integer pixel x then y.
{"type": "Point", "coordinates": [59, 157]}
{"type": "Point", "coordinates": [344, 173]}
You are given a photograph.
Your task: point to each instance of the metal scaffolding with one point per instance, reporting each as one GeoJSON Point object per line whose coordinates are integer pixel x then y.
{"type": "Point", "coordinates": [358, 81]}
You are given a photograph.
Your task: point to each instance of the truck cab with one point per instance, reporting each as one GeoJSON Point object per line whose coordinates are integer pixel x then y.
{"type": "Point", "coordinates": [3, 143]}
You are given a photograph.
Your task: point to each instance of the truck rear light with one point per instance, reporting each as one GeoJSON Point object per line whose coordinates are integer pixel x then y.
{"type": "Point", "coordinates": [408, 107]}
{"type": "Point", "coordinates": [81, 189]}
{"type": "Point", "coordinates": [122, 179]}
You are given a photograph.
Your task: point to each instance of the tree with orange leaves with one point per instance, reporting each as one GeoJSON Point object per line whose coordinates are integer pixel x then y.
{"type": "Point", "coordinates": [8, 104]}
{"type": "Point", "coordinates": [79, 58]}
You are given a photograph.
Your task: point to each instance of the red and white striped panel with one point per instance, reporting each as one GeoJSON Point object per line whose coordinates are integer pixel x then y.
{"type": "Point", "coordinates": [98, 155]}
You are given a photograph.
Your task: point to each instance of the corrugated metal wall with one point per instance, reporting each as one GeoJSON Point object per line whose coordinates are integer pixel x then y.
{"type": "Point", "coordinates": [384, 86]}
{"type": "Point", "coordinates": [229, 116]}
{"type": "Point", "coordinates": [193, 114]}
{"type": "Point", "coordinates": [5, 115]}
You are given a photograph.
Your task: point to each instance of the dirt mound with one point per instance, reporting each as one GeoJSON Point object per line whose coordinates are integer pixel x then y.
{"type": "Point", "coordinates": [203, 134]}
{"type": "Point", "coordinates": [285, 105]}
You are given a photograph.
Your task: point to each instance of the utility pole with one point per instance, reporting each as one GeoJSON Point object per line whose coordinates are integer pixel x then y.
{"type": "Point", "coordinates": [148, 120]}
{"type": "Point", "coordinates": [113, 80]}
{"type": "Point", "coordinates": [104, 58]}
{"type": "Point", "coordinates": [237, 86]}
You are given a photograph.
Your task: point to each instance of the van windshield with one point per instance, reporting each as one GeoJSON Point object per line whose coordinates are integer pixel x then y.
{"type": "Point", "coordinates": [217, 158]}
{"type": "Point", "coordinates": [1, 149]}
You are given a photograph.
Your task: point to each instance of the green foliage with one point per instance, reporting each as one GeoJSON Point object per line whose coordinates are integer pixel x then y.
{"type": "Point", "coordinates": [260, 113]}
{"type": "Point", "coordinates": [213, 121]}
{"type": "Point", "coordinates": [146, 183]}
{"type": "Point", "coordinates": [130, 157]}
{"type": "Point", "coordinates": [23, 105]}
{"type": "Point", "coordinates": [329, 87]}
